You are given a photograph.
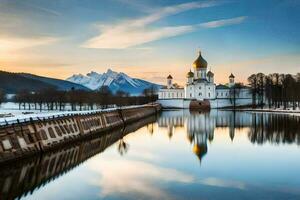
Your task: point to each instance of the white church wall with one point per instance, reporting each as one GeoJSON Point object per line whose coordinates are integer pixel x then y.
{"type": "Point", "coordinates": [223, 103]}
{"type": "Point", "coordinates": [210, 91]}
{"type": "Point", "coordinates": [189, 92]}
{"type": "Point", "coordinates": [171, 93]}
{"type": "Point", "coordinates": [245, 93]}
{"type": "Point", "coordinates": [200, 91]}
{"type": "Point", "coordinates": [222, 93]}
{"type": "Point", "coordinates": [174, 103]}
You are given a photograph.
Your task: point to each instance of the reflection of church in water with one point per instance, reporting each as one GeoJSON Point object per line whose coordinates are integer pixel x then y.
{"type": "Point", "coordinates": [200, 127]}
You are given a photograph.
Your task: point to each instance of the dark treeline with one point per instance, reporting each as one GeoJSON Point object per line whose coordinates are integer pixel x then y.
{"type": "Point", "coordinates": [52, 99]}
{"type": "Point", "coordinates": [275, 129]}
{"type": "Point", "coordinates": [234, 93]}
{"type": "Point", "coordinates": [275, 90]}
{"type": "Point", "coordinates": [2, 96]}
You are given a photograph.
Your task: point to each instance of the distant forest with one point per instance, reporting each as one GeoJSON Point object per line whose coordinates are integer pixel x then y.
{"type": "Point", "coordinates": [52, 99]}
{"type": "Point", "coordinates": [275, 90]}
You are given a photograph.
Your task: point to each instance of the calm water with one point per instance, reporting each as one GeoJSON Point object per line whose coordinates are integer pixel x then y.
{"type": "Point", "coordinates": [179, 155]}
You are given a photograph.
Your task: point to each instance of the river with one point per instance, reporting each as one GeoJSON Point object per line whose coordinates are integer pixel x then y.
{"type": "Point", "coordinates": [176, 155]}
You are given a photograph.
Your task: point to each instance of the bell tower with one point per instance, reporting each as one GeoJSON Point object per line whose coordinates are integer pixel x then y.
{"type": "Point", "coordinates": [231, 80]}
{"type": "Point", "coordinates": [169, 82]}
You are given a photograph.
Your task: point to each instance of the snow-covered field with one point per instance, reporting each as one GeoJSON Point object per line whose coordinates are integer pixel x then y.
{"type": "Point", "coordinates": [277, 110]}
{"type": "Point", "coordinates": [9, 112]}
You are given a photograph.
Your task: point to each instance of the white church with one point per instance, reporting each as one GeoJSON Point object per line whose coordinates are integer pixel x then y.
{"type": "Point", "coordinates": [200, 88]}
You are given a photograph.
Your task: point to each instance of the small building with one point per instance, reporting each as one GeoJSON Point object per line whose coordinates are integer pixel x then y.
{"type": "Point", "coordinates": [171, 91]}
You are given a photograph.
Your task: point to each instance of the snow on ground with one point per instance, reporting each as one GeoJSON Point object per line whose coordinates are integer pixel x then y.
{"type": "Point", "coordinates": [10, 113]}
{"type": "Point", "coordinates": [278, 110]}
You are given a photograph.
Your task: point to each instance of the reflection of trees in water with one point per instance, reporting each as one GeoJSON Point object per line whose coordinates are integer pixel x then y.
{"type": "Point", "coordinates": [200, 127]}
{"type": "Point", "coordinates": [123, 147]}
{"type": "Point", "coordinates": [274, 128]}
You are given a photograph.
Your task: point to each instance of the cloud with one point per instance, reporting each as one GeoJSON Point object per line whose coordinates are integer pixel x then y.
{"type": "Point", "coordinates": [134, 32]}
{"type": "Point", "coordinates": [123, 37]}
{"type": "Point", "coordinates": [146, 183]}
{"type": "Point", "coordinates": [224, 22]}
{"type": "Point", "coordinates": [45, 10]}
{"type": "Point", "coordinates": [172, 10]}
{"type": "Point", "coordinates": [139, 5]}
{"type": "Point", "coordinates": [216, 182]}
{"type": "Point", "coordinates": [142, 183]}
{"type": "Point", "coordinates": [9, 44]}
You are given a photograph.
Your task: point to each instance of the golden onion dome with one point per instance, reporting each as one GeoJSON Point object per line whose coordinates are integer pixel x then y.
{"type": "Point", "coordinates": [197, 149]}
{"type": "Point", "coordinates": [200, 150]}
{"type": "Point", "coordinates": [190, 74]}
{"type": "Point", "coordinates": [200, 62]}
{"type": "Point", "coordinates": [210, 74]}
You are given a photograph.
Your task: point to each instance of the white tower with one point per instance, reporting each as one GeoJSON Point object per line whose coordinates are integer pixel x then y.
{"type": "Point", "coordinates": [231, 80]}
{"type": "Point", "coordinates": [210, 76]}
{"type": "Point", "coordinates": [190, 77]}
{"type": "Point", "coordinates": [169, 82]}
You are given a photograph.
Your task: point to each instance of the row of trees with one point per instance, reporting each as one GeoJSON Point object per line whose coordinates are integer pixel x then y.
{"type": "Point", "coordinates": [52, 99]}
{"type": "Point", "coordinates": [275, 90]}
{"type": "Point", "coordinates": [234, 93]}
{"type": "Point", "coordinates": [2, 96]}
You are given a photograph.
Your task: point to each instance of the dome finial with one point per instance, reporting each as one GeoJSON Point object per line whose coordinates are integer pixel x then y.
{"type": "Point", "coordinates": [190, 74]}
{"type": "Point", "coordinates": [199, 51]}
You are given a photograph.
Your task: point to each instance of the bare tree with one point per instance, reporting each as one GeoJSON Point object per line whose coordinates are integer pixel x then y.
{"type": "Point", "coordinates": [254, 88]}
{"type": "Point", "coordinates": [2, 96]}
{"type": "Point", "coordinates": [234, 93]}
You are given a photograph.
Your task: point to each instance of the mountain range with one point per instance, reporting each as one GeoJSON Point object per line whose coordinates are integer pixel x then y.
{"type": "Point", "coordinates": [114, 80]}
{"type": "Point", "coordinates": [12, 83]}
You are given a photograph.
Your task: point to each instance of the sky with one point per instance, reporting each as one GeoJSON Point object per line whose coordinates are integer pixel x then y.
{"type": "Point", "coordinates": [150, 39]}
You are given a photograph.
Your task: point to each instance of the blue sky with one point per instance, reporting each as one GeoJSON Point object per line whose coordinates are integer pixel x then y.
{"type": "Point", "coordinates": [151, 38]}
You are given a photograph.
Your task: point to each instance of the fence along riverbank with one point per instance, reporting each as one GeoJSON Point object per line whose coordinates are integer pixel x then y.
{"type": "Point", "coordinates": [38, 135]}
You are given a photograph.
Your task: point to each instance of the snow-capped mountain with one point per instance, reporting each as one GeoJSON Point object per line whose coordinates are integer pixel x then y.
{"type": "Point", "coordinates": [114, 80]}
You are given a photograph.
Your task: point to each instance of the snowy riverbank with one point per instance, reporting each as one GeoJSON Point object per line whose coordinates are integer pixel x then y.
{"type": "Point", "coordinates": [272, 110]}
{"type": "Point", "coordinates": [10, 113]}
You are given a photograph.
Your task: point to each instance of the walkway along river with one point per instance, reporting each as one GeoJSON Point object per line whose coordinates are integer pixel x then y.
{"type": "Point", "coordinates": [22, 139]}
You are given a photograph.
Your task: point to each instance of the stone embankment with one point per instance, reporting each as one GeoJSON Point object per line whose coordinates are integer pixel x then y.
{"type": "Point", "coordinates": [25, 138]}
{"type": "Point", "coordinates": [17, 179]}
